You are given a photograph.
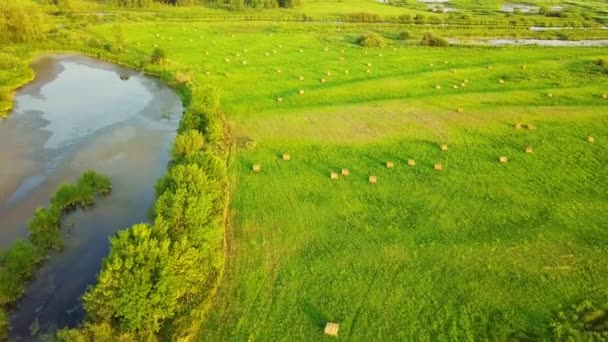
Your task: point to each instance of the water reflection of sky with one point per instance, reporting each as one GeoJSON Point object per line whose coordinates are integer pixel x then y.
{"type": "Point", "coordinates": [95, 94]}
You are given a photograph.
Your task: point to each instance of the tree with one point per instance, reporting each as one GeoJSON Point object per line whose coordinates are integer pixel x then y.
{"type": "Point", "coordinates": [44, 229]}
{"type": "Point", "coordinates": [21, 21]}
{"type": "Point", "coordinates": [187, 142]}
{"type": "Point", "coordinates": [158, 56]}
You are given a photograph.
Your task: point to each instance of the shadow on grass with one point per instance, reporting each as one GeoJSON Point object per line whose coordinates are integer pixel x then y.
{"type": "Point", "coordinates": [314, 314]}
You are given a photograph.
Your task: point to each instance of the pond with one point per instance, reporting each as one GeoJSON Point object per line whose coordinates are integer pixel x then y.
{"type": "Point", "coordinates": [80, 114]}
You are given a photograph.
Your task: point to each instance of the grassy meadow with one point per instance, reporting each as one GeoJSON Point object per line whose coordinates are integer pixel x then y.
{"type": "Point", "coordinates": [480, 250]}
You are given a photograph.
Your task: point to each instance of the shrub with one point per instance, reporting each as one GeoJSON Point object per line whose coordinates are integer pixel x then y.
{"type": "Point", "coordinates": [371, 39]}
{"type": "Point", "coordinates": [403, 35]}
{"type": "Point", "coordinates": [406, 19]}
{"type": "Point", "coordinates": [20, 21]}
{"type": "Point", "coordinates": [17, 264]}
{"type": "Point", "coordinates": [44, 229]}
{"type": "Point", "coordinates": [431, 39]}
{"type": "Point", "coordinates": [186, 143]}
{"type": "Point", "coordinates": [363, 17]}
{"type": "Point", "coordinates": [158, 56]}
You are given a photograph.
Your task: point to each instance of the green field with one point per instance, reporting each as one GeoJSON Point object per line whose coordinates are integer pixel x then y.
{"type": "Point", "coordinates": [479, 250]}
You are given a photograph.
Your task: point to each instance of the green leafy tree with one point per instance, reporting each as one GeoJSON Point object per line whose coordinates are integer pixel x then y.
{"type": "Point", "coordinates": [187, 142]}
{"type": "Point", "coordinates": [21, 21]}
{"type": "Point", "coordinates": [44, 229]}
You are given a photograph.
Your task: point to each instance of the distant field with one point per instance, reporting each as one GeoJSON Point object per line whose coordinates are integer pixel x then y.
{"type": "Point", "coordinates": [479, 250]}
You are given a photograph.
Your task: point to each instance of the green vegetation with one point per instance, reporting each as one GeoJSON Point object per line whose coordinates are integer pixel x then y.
{"type": "Point", "coordinates": [481, 250]}
{"type": "Point", "coordinates": [431, 39]}
{"type": "Point", "coordinates": [18, 263]}
{"type": "Point", "coordinates": [371, 39]}
{"type": "Point", "coordinates": [20, 21]}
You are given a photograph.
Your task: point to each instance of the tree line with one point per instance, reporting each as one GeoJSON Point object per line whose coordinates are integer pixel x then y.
{"type": "Point", "coordinates": [158, 276]}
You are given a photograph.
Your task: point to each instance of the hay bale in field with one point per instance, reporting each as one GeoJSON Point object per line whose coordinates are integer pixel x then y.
{"type": "Point", "coordinates": [517, 125]}
{"type": "Point", "coordinates": [279, 99]}
{"type": "Point", "coordinates": [390, 165]}
{"type": "Point", "coordinates": [549, 95]}
{"type": "Point", "coordinates": [431, 65]}
{"type": "Point", "coordinates": [333, 175]}
{"type": "Point", "coordinates": [373, 179]}
{"type": "Point", "coordinates": [301, 92]}
{"type": "Point", "coordinates": [341, 58]}
{"type": "Point", "coordinates": [244, 62]}
{"type": "Point", "coordinates": [530, 126]}
{"type": "Point", "coordinates": [274, 51]}
{"type": "Point", "coordinates": [323, 80]}
{"type": "Point", "coordinates": [257, 168]}
{"type": "Point", "coordinates": [379, 55]}
{"type": "Point", "coordinates": [280, 46]}
{"type": "Point", "coordinates": [326, 49]}
{"type": "Point", "coordinates": [524, 67]}
{"type": "Point", "coordinates": [502, 159]}
{"type": "Point", "coordinates": [466, 81]}
{"type": "Point", "coordinates": [345, 172]}
{"type": "Point", "coordinates": [279, 71]}
{"type": "Point", "coordinates": [463, 85]}
{"type": "Point", "coordinates": [529, 149]}
{"type": "Point", "coordinates": [445, 62]}
{"type": "Point", "coordinates": [460, 110]}
{"type": "Point", "coordinates": [455, 86]}
{"type": "Point", "coordinates": [411, 162]}
{"type": "Point", "coordinates": [346, 71]}
{"type": "Point", "coordinates": [591, 139]}
{"type": "Point", "coordinates": [489, 67]}
{"type": "Point", "coordinates": [286, 156]}
{"type": "Point", "coordinates": [331, 329]}
{"type": "Point", "coordinates": [301, 50]}
{"type": "Point", "coordinates": [267, 54]}
{"type": "Point", "coordinates": [238, 54]}
{"type": "Point", "coordinates": [437, 167]}
{"type": "Point", "coordinates": [501, 81]}
{"type": "Point", "coordinates": [301, 78]}
{"type": "Point", "coordinates": [328, 73]}
{"type": "Point", "coordinates": [438, 87]}
{"type": "Point", "coordinates": [365, 52]}
{"type": "Point", "coordinates": [369, 64]}
{"type": "Point", "coordinates": [245, 50]}
{"type": "Point", "coordinates": [605, 96]}
{"type": "Point", "coordinates": [444, 147]}
{"type": "Point", "coordinates": [227, 60]}
{"type": "Point", "coordinates": [368, 71]}
{"type": "Point", "coordinates": [453, 71]}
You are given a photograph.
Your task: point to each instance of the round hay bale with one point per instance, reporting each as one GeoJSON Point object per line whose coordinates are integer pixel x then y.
{"type": "Point", "coordinates": [256, 168]}
{"type": "Point", "coordinates": [502, 159]}
{"type": "Point", "coordinates": [390, 165]}
{"type": "Point", "coordinates": [437, 167]}
{"type": "Point", "coordinates": [489, 67]}
{"type": "Point", "coordinates": [444, 147]}
{"type": "Point", "coordinates": [279, 99]}
{"type": "Point", "coordinates": [453, 71]}
{"type": "Point", "coordinates": [244, 62]}
{"type": "Point", "coordinates": [369, 64]}
{"type": "Point", "coordinates": [529, 149]}
{"type": "Point", "coordinates": [431, 65]}
{"type": "Point", "coordinates": [455, 86]}
{"type": "Point", "coordinates": [301, 91]}
{"type": "Point", "coordinates": [379, 55]}
{"type": "Point", "coordinates": [333, 175]}
{"type": "Point", "coordinates": [346, 71]}
{"type": "Point", "coordinates": [463, 85]}
{"type": "Point", "coordinates": [279, 71]}
{"type": "Point", "coordinates": [227, 60]}
{"type": "Point", "coordinates": [605, 96]}
{"type": "Point", "coordinates": [301, 78]}
{"type": "Point", "coordinates": [411, 162]}
{"type": "Point", "coordinates": [323, 80]}
{"type": "Point", "coordinates": [368, 71]}
{"type": "Point", "coordinates": [438, 87]}
{"type": "Point", "coordinates": [238, 54]}
{"type": "Point", "coordinates": [591, 139]}
{"type": "Point", "coordinates": [549, 95]}
{"type": "Point", "coordinates": [328, 73]}
{"type": "Point", "coordinates": [286, 156]}
{"type": "Point", "coordinates": [345, 172]}
{"type": "Point", "coordinates": [501, 81]}
{"type": "Point", "coordinates": [373, 179]}
{"type": "Point", "coordinates": [460, 110]}
{"type": "Point", "coordinates": [301, 50]}
{"type": "Point", "coordinates": [517, 125]}
{"type": "Point", "coordinates": [331, 329]}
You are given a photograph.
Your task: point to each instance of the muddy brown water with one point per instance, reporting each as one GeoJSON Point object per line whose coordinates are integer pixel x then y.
{"type": "Point", "coordinates": [80, 114]}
